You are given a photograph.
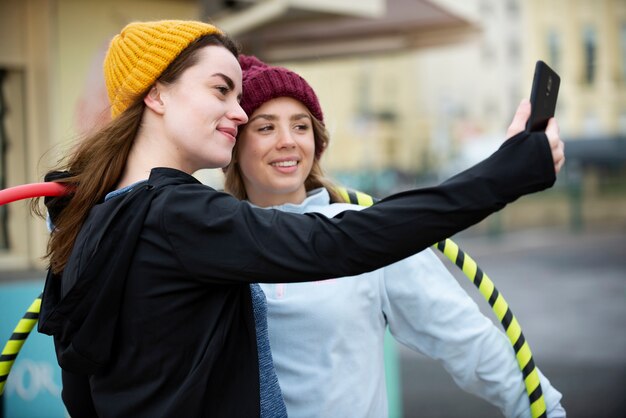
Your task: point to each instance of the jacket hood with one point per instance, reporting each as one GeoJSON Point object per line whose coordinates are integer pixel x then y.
{"type": "Point", "coordinates": [80, 307]}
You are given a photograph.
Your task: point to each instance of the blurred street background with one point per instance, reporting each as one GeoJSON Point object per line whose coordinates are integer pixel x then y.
{"type": "Point", "coordinates": [568, 292]}
{"type": "Point", "coordinates": [413, 91]}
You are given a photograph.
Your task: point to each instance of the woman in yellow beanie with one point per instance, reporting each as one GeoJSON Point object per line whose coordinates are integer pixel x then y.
{"type": "Point", "coordinates": [150, 295]}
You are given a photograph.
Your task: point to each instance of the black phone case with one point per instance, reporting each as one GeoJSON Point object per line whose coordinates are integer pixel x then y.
{"type": "Point", "coordinates": [543, 95]}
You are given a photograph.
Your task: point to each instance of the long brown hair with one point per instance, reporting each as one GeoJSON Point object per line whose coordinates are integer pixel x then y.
{"type": "Point", "coordinates": [233, 182]}
{"type": "Point", "coordinates": [96, 164]}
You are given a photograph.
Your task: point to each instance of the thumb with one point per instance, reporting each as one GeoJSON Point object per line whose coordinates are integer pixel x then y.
{"type": "Point", "coordinates": [519, 120]}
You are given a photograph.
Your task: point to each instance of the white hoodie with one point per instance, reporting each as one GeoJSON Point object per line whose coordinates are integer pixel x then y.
{"type": "Point", "coordinates": [327, 337]}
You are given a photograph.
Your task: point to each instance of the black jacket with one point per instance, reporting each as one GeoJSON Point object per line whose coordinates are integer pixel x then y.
{"type": "Point", "coordinates": [152, 316]}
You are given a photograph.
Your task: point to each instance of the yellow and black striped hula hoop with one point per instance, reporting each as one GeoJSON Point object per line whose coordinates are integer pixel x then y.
{"type": "Point", "coordinates": [14, 344]}
{"type": "Point", "coordinates": [495, 299]}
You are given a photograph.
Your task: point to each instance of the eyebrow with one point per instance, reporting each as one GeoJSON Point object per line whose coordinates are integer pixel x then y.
{"type": "Point", "coordinates": [300, 116]}
{"type": "Point", "coordinates": [272, 117]}
{"type": "Point", "coordinates": [229, 81]}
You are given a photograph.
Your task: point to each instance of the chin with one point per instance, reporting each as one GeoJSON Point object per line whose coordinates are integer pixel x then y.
{"type": "Point", "coordinates": [220, 162]}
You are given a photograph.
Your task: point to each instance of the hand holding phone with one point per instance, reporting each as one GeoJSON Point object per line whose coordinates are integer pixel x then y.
{"type": "Point", "coordinates": [543, 95]}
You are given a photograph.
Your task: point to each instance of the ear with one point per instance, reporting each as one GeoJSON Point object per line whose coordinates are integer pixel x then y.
{"type": "Point", "coordinates": [153, 99]}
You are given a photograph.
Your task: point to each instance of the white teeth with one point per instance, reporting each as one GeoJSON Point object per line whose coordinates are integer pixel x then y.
{"type": "Point", "coordinates": [285, 164]}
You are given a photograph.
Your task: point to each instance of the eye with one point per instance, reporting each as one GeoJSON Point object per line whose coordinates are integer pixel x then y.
{"type": "Point", "coordinates": [224, 90]}
{"type": "Point", "coordinates": [302, 127]}
{"type": "Point", "coordinates": [265, 128]}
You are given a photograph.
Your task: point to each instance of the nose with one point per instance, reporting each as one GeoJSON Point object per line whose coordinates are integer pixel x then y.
{"type": "Point", "coordinates": [285, 140]}
{"type": "Point", "coordinates": [238, 115]}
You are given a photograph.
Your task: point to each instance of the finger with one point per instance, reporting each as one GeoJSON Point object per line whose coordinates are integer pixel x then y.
{"type": "Point", "coordinates": [559, 165]}
{"type": "Point", "coordinates": [552, 130]}
{"type": "Point", "coordinates": [561, 148]}
{"type": "Point", "coordinates": [519, 119]}
{"type": "Point", "coordinates": [558, 150]}
{"type": "Point", "coordinates": [558, 155]}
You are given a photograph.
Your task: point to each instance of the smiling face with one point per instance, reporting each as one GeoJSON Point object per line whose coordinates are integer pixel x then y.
{"type": "Point", "coordinates": [275, 152]}
{"type": "Point", "coordinates": [201, 112]}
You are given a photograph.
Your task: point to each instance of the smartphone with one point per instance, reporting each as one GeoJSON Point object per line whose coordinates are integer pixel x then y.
{"type": "Point", "coordinates": [543, 95]}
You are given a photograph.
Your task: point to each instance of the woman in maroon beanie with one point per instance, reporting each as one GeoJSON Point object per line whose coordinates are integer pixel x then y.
{"type": "Point", "coordinates": [327, 337]}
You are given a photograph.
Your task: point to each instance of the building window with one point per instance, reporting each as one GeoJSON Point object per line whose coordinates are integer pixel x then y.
{"type": "Point", "coordinates": [488, 53]}
{"type": "Point", "coordinates": [485, 7]}
{"type": "Point", "coordinates": [590, 42]}
{"type": "Point", "coordinates": [622, 40]}
{"type": "Point", "coordinates": [554, 49]}
{"type": "Point", "coordinates": [512, 8]}
{"type": "Point", "coordinates": [514, 50]}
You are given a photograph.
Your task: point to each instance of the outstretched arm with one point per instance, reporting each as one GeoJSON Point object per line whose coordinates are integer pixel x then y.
{"type": "Point", "coordinates": [282, 247]}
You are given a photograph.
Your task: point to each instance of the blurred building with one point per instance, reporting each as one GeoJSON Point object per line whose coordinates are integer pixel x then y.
{"type": "Point", "coordinates": [414, 109]}
{"type": "Point", "coordinates": [417, 110]}
{"type": "Point", "coordinates": [585, 42]}
{"type": "Point", "coordinates": [411, 89]}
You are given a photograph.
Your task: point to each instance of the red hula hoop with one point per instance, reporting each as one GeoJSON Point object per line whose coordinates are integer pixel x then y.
{"type": "Point", "coordinates": [26, 191]}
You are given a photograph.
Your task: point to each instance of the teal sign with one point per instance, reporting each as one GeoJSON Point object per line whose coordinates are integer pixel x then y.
{"type": "Point", "coordinates": [33, 388]}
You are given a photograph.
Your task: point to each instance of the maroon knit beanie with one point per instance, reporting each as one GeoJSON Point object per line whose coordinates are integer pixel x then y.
{"type": "Point", "coordinates": [263, 82]}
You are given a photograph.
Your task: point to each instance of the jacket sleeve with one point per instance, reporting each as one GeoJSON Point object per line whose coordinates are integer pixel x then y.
{"type": "Point", "coordinates": [429, 312]}
{"type": "Point", "coordinates": [220, 238]}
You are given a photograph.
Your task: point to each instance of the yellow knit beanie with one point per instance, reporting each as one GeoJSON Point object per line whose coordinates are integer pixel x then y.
{"type": "Point", "coordinates": [141, 52]}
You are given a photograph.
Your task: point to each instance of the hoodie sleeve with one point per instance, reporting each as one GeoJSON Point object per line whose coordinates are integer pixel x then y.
{"type": "Point", "coordinates": [429, 312]}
